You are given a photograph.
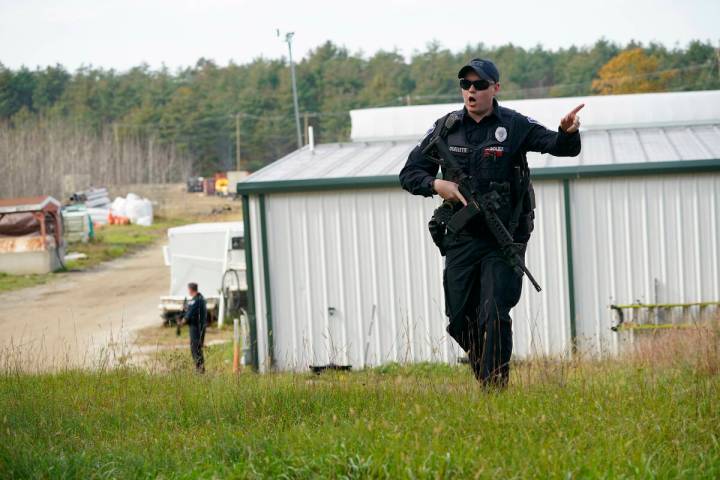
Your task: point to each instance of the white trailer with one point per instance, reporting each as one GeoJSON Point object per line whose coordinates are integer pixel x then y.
{"type": "Point", "coordinates": [211, 255]}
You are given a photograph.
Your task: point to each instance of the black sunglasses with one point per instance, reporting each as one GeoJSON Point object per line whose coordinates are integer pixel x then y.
{"type": "Point", "coordinates": [481, 84]}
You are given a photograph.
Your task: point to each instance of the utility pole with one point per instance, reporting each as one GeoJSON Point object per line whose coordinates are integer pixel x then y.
{"type": "Point", "coordinates": [238, 163]}
{"type": "Point", "coordinates": [117, 162]}
{"type": "Point", "coordinates": [306, 122]}
{"type": "Point", "coordinates": [288, 38]}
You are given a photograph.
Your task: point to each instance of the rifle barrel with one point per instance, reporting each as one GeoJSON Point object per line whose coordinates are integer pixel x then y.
{"type": "Point", "coordinates": [529, 275]}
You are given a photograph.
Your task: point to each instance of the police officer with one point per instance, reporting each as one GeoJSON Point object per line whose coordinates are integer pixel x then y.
{"type": "Point", "coordinates": [196, 318]}
{"type": "Point", "coordinates": [490, 143]}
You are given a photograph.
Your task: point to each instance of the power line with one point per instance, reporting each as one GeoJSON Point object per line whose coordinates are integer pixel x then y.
{"type": "Point", "coordinates": [201, 120]}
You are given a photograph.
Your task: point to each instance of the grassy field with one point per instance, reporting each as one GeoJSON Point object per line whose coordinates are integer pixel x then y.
{"type": "Point", "coordinates": [163, 337]}
{"type": "Point", "coordinates": [14, 282]}
{"type": "Point", "coordinates": [111, 242]}
{"type": "Point", "coordinates": [653, 414]}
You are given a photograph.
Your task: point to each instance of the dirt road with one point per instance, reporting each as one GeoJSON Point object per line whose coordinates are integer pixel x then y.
{"type": "Point", "coordinates": [83, 319]}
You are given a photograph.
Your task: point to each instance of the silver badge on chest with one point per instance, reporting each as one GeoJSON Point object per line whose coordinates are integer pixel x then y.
{"type": "Point", "coordinates": [500, 134]}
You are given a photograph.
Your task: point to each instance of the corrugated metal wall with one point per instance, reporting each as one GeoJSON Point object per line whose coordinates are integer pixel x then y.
{"type": "Point", "coordinates": [541, 321]}
{"type": "Point", "coordinates": [355, 279]}
{"type": "Point", "coordinates": [642, 239]}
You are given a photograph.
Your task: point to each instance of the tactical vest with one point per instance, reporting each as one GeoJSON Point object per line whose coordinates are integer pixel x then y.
{"type": "Point", "coordinates": [491, 166]}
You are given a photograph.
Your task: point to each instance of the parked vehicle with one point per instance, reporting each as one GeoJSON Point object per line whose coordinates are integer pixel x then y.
{"type": "Point", "coordinates": [195, 184]}
{"type": "Point", "coordinates": [213, 256]}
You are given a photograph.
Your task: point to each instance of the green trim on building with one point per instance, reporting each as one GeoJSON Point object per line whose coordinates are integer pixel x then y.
{"type": "Point", "coordinates": [318, 184]}
{"type": "Point", "coordinates": [570, 264]}
{"type": "Point", "coordinates": [543, 173]}
{"type": "Point", "coordinates": [250, 278]}
{"type": "Point", "coordinates": [266, 278]}
{"type": "Point", "coordinates": [627, 169]}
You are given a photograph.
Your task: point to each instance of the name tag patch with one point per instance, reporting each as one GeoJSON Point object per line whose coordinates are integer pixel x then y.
{"type": "Point", "coordinates": [459, 149]}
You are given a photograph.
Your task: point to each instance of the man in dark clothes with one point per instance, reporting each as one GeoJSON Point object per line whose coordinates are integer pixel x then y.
{"type": "Point", "coordinates": [196, 318]}
{"type": "Point", "coordinates": [490, 143]}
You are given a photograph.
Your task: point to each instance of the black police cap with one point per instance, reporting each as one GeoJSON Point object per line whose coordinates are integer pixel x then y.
{"type": "Point", "coordinates": [484, 68]}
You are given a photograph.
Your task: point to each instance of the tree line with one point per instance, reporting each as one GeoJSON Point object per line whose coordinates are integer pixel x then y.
{"type": "Point", "coordinates": [37, 156]}
{"type": "Point", "coordinates": [197, 112]}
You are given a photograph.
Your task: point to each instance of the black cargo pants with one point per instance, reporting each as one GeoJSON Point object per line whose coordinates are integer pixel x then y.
{"type": "Point", "coordinates": [480, 290]}
{"type": "Point", "coordinates": [197, 340]}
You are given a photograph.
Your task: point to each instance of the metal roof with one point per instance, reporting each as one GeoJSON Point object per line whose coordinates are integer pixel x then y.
{"type": "Point", "coordinates": [28, 204]}
{"type": "Point", "coordinates": [604, 152]}
{"type": "Point", "coordinates": [621, 134]}
{"type": "Point", "coordinates": [601, 112]}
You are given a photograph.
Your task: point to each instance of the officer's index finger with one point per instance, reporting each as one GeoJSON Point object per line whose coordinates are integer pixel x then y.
{"type": "Point", "coordinates": [577, 109]}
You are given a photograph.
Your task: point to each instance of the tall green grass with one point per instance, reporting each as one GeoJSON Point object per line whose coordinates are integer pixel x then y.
{"type": "Point", "coordinates": [651, 414]}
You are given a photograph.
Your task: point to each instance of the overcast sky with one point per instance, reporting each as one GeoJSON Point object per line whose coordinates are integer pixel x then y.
{"type": "Point", "coordinates": [122, 34]}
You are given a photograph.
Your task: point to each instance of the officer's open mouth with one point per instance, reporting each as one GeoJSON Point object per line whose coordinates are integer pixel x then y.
{"type": "Point", "coordinates": [471, 100]}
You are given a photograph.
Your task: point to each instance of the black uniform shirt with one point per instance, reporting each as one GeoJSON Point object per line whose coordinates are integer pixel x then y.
{"type": "Point", "coordinates": [523, 135]}
{"type": "Point", "coordinates": [196, 313]}
{"type": "Point", "coordinates": [477, 132]}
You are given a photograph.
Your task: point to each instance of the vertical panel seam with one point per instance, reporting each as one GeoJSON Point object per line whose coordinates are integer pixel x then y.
{"type": "Point", "coordinates": [266, 279]}
{"type": "Point", "coordinates": [358, 290]}
{"type": "Point", "coordinates": [425, 290]}
{"type": "Point", "coordinates": [375, 315]}
{"type": "Point", "coordinates": [341, 279]}
{"type": "Point", "coordinates": [250, 280]}
{"type": "Point", "coordinates": [698, 247]}
{"type": "Point", "coordinates": [714, 224]}
{"type": "Point", "coordinates": [570, 265]}
{"type": "Point", "coordinates": [645, 244]}
{"type": "Point", "coordinates": [612, 256]}
{"type": "Point", "coordinates": [291, 280]}
{"type": "Point", "coordinates": [391, 277]}
{"type": "Point", "coordinates": [308, 294]}
{"type": "Point", "coordinates": [324, 282]}
{"type": "Point", "coordinates": [408, 281]}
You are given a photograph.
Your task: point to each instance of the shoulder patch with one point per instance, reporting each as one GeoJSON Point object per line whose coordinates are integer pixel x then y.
{"type": "Point", "coordinates": [452, 120]}
{"type": "Point", "coordinates": [427, 134]}
{"type": "Point", "coordinates": [532, 120]}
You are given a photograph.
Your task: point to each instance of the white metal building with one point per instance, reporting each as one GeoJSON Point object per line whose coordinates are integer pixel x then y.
{"type": "Point", "coordinates": [341, 268]}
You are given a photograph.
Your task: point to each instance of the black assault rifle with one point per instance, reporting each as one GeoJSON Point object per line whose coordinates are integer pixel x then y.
{"type": "Point", "coordinates": [486, 204]}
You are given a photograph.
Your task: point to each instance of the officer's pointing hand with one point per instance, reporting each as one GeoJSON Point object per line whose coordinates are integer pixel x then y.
{"type": "Point", "coordinates": [448, 191]}
{"type": "Point", "coordinates": [570, 123]}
